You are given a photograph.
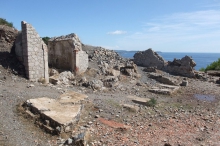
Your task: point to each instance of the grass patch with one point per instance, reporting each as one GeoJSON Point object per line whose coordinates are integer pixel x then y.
{"type": "Point", "coordinates": [113, 103]}
{"type": "Point", "coordinates": [5, 22]}
{"type": "Point", "coordinates": [152, 102]}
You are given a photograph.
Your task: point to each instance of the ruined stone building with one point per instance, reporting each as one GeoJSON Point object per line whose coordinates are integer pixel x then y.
{"type": "Point", "coordinates": [63, 53]}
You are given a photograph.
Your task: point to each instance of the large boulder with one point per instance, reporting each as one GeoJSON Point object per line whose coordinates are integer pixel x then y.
{"type": "Point", "coordinates": [183, 67]}
{"type": "Point", "coordinates": [149, 58]}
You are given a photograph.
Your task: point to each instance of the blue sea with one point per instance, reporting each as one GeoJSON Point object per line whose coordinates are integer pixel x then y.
{"type": "Point", "coordinates": [201, 59]}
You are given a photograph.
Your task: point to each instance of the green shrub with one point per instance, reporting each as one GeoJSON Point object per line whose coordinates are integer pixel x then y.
{"type": "Point", "coordinates": [202, 69]}
{"type": "Point", "coordinates": [45, 39]}
{"type": "Point", "coordinates": [5, 22]}
{"type": "Point", "coordinates": [152, 102]}
{"type": "Point", "coordinates": [213, 66]}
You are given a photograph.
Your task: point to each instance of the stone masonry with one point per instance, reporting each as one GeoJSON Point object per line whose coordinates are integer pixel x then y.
{"type": "Point", "coordinates": [65, 52]}
{"type": "Point", "coordinates": [35, 55]}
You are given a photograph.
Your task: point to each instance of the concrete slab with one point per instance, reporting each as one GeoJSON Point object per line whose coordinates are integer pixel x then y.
{"type": "Point", "coordinates": [130, 107]}
{"type": "Point", "coordinates": [57, 115]}
{"type": "Point", "coordinates": [161, 91]}
{"type": "Point", "coordinates": [164, 89]}
{"type": "Point", "coordinates": [164, 79]}
{"type": "Point", "coordinates": [71, 97]}
{"type": "Point", "coordinates": [138, 100]}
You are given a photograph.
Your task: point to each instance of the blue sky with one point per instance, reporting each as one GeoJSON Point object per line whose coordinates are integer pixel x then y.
{"type": "Point", "coordinates": [164, 25]}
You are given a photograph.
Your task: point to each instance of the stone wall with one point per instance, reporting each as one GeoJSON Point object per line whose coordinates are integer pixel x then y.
{"type": "Point", "coordinates": [35, 55]}
{"type": "Point", "coordinates": [65, 52]}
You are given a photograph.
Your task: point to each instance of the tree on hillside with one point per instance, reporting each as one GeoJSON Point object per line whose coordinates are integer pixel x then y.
{"type": "Point", "coordinates": [45, 39]}
{"type": "Point", "coordinates": [5, 22]}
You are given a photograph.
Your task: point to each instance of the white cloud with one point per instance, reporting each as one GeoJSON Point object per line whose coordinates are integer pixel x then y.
{"type": "Point", "coordinates": [186, 31]}
{"type": "Point", "coordinates": [111, 47]}
{"type": "Point", "coordinates": [117, 32]}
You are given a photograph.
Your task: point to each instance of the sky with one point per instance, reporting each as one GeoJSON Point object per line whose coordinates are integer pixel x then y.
{"type": "Point", "coordinates": [163, 25]}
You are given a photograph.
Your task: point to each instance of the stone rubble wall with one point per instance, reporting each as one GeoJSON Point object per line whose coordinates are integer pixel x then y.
{"type": "Point", "coordinates": [35, 55]}
{"type": "Point", "coordinates": [65, 52]}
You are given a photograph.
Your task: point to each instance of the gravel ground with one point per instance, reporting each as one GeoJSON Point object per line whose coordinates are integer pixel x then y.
{"type": "Point", "coordinates": [184, 118]}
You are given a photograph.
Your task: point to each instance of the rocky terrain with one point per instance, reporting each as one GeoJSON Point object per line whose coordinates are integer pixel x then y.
{"type": "Point", "coordinates": [112, 113]}
{"type": "Point", "coordinates": [126, 104]}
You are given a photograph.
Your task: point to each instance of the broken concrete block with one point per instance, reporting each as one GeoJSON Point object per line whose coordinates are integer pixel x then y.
{"type": "Point", "coordinates": [164, 89]}
{"type": "Point", "coordinates": [138, 100]}
{"type": "Point", "coordinates": [57, 115]}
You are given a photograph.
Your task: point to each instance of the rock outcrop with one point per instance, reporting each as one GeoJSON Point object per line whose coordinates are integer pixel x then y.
{"type": "Point", "coordinates": [152, 61]}
{"type": "Point", "coordinates": [183, 67]}
{"type": "Point", "coordinates": [149, 58]}
{"type": "Point", "coordinates": [7, 38]}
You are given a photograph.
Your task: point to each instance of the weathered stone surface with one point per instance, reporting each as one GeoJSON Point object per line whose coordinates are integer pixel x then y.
{"type": "Point", "coordinates": [59, 115]}
{"type": "Point", "coordinates": [218, 81]}
{"type": "Point", "coordinates": [138, 100]}
{"type": "Point", "coordinates": [54, 80]}
{"type": "Point", "coordinates": [184, 83]}
{"type": "Point", "coordinates": [150, 69]}
{"type": "Point", "coordinates": [164, 79]}
{"type": "Point", "coordinates": [81, 139]}
{"type": "Point", "coordinates": [131, 107]}
{"type": "Point", "coordinates": [213, 72]}
{"type": "Point", "coordinates": [72, 97]}
{"type": "Point", "coordinates": [110, 81]}
{"type": "Point", "coordinates": [164, 89]}
{"type": "Point", "coordinates": [149, 58]}
{"type": "Point", "coordinates": [96, 84]}
{"type": "Point", "coordinates": [183, 67]}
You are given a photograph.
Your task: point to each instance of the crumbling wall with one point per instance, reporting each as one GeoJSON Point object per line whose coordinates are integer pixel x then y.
{"type": "Point", "coordinates": [35, 55]}
{"type": "Point", "coordinates": [65, 52]}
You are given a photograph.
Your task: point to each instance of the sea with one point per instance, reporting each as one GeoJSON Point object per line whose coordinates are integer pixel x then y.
{"type": "Point", "coordinates": [201, 59]}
